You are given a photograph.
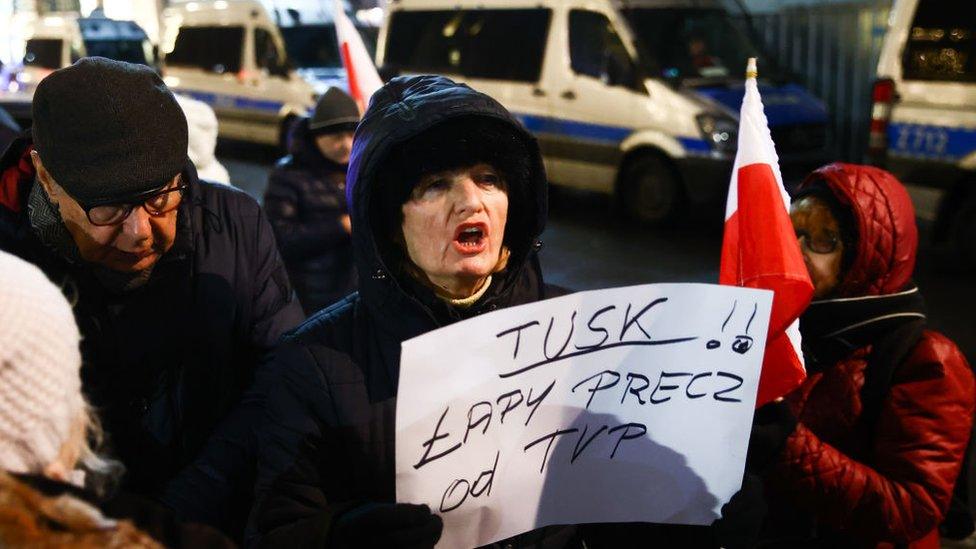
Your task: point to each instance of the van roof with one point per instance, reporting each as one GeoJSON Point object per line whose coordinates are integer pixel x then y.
{"type": "Point", "coordinates": [53, 26]}
{"type": "Point", "coordinates": [220, 12]}
{"type": "Point", "coordinates": [102, 28]}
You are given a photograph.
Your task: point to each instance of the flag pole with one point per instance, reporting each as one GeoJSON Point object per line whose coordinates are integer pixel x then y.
{"type": "Point", "coordinates": [759, 246]}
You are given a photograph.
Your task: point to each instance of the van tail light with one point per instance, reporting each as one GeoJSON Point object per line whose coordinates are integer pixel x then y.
{"type": "Point", "coordinates": [245, 76]}
{"type": "Point", "coordinates": [882, 97]}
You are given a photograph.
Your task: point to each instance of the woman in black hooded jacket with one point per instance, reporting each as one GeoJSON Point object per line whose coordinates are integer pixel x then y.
{"type": "Point", "coordinates": [447, 196]}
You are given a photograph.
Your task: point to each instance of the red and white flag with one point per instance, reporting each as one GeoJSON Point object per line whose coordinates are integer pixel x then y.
{"type": "Point", "coordinates": [362, 75]}
{"type": "Point", "coordinates": [760, 249]}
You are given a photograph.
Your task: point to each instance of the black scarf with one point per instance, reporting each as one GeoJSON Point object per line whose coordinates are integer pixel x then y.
{"type": "Point", "coordinates": [833, 328]}
{"type": "Point", "coordinates": [45, 220]}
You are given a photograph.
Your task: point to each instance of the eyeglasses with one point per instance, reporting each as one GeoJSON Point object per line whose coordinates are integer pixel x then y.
{"type": "Point", "coordinates": [156, 203]}
{"type": "Point", "coordinates": [821, 245]}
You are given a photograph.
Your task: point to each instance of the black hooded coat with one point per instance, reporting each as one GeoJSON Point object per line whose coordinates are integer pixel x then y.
{"type": "Point", "coordinates": [328, 441]}
{"type": "Point", "coordinates": [305, 201]}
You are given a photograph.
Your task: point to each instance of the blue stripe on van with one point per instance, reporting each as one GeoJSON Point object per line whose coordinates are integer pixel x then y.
{"type": "Point", "coordinates": [596, 132]}
{"type": "Point", "coordinates": [257, 104]}
{"type": "Point", "coordinates": [932, 142]}
{"type": "Point", "coordinates": [570, 128]}
{"type": "Point", "coordinates": [208, 98]}
{"type": "Point", "coordinates": [785, 105]}
{"type": "Point", "coordinates": [219, 100]}
{"type": "Point", "coordinates": [695, 145]}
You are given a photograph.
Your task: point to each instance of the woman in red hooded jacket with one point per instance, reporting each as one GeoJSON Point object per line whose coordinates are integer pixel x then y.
{"type": "Point", "coordinates": [878, 430]}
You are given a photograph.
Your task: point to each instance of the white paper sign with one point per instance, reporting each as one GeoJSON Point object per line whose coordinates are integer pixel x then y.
{"type": "Point", "coordinates": [622, 405]}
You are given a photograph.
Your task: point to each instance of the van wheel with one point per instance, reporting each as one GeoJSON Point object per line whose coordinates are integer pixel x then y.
{"type": "Point", "coordinates": [651, 192]}
{"type": "Point", "coordinates": [283, 132]}
{"type": "Point", "coordinates": [964, 233]}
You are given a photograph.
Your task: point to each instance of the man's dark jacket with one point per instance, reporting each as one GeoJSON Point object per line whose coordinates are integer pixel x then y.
{"type": "Point", "coordinates": [9, 130]}
{"type": "Point", "coordinates": [305, 201]}
{"type": "Point", "coordinates": [164, 364]}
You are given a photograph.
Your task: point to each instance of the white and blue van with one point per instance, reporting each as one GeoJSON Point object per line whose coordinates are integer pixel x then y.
{"type": "Point", "coordinates": [310, 40]}
{"type": "Point", "coordinates": [56, 41]}
{"type": "Point", "coordinates": [923, 125]}
{"type": "Point", "coordinates": [637, 98]}
{"type": "Point", "coordinates": [231, 56]}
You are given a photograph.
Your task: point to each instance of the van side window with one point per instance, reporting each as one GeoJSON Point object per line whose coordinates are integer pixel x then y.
{"type": "Point", "coordinates": [942, 43]}
{"type": "Point", "coordinates": [594, 45]}
{"type": "Point", "coordinates": [312, 45]}
{"type": "Point", "coordinates": [503, 44]}
{"type": "Point", "coordinates": [266, 54]}
{"type": "Point", "coordinates": [213, 49]}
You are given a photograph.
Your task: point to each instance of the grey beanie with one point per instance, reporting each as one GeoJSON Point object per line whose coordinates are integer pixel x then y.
{"type": "Point", "coordinates": [40, 360]}
{"type": "Point", "coordinates": [108, 130]}
{"type": "Point", "coordinates": [335, 111]}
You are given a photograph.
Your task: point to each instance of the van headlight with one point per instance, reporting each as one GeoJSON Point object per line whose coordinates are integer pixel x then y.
{"type": "Point", "coordinates": [719, 131]}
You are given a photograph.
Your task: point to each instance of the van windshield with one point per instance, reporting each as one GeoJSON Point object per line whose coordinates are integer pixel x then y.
{"type": "Point", "coordinates": [44, 53]}
{"type": "Point", "coordinates": [496, 44]}
{"type": "Point", "coordinates": [130, 51]}
{"type": "Point", "coordinates": [213, 49]}
{"type": "Point", "coordinates": [941, 44]}
{"type": "Point", "coordinates": [311, 46]}
{"type": "Point", "coordinates": [691, 42]}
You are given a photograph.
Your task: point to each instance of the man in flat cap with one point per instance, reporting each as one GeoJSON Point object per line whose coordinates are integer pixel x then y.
{"type": "Point", "coordinates": [176, 283]}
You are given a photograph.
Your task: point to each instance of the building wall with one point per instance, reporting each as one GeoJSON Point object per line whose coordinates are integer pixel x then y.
{"type": "Point", "coordinates": [770, 6]}
{"type": "Point", "coordinates": [832, 48]}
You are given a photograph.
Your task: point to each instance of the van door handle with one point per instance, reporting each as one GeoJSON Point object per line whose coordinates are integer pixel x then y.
{"type": "Point", "coordinates": [568, 94]}
{"type": "Point", "coordinates": [539, 92]}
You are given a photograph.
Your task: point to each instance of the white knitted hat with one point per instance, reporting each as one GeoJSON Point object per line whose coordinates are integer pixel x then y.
{"type": "Point", "coordinates": [40, 385]}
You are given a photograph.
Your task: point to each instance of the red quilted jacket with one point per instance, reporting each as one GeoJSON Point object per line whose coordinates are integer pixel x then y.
{"type": "Point", "coordinates": [896, 496]}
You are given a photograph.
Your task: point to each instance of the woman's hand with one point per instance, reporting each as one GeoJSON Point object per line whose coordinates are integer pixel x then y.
{"type": "Point", "coordinates": [742, 517]}
{"type": "Point", "coordinates": [394, 525]}
{"type": "Point", "coordinates": [772, 424]}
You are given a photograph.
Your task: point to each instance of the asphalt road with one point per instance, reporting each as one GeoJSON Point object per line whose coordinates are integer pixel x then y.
{"type": "Point", "coordinates": [587, 246]}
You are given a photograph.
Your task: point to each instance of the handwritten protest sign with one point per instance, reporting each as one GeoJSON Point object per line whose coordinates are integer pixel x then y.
{"type": "Point", "coordinates": [621, 405]}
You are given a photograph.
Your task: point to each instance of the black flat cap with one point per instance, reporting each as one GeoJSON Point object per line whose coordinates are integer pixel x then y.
{"type": "Point", "coordinates": [108, 130]}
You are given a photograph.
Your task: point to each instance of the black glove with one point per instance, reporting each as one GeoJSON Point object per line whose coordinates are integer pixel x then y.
{"type": "Point", "coordinates": [742, 517]}
{"type": "Point", "coordinates": [396, 525]}
{"type": "Point", "coordinates": [771, 426]}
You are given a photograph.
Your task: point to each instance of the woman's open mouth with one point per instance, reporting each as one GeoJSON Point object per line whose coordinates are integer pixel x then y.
{"type": "Point", "coordinates": [471, 238]}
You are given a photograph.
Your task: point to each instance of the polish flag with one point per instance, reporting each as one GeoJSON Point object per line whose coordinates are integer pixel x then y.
{"type": "Point", "coordinates": [760, 249]}
{"type": "Point", "coordinates": [363, 78]}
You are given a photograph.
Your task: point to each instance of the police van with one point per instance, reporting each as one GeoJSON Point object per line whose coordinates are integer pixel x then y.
{"type": "Point", "coordinates": [923, 125]}
{"type": "Point", "coordinates": [638, 98]}
{"type": "Point", "coordinates": [311, 43]}
{"type": "Point", "coordinates": [230, 55]}
{"type": "Point", "coordinates": [56, 41]}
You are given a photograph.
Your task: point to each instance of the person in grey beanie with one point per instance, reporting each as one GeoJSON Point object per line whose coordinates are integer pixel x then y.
{"type": "Point", "coordinates": [176, 284]}
{"type": "Point", "coordinates": [56, 490]}
{"type": "Point", "coordinates": [306, 202]}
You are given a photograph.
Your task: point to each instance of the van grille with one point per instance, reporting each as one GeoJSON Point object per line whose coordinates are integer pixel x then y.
{"type": "Point", "coordinates": [799, 138]}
